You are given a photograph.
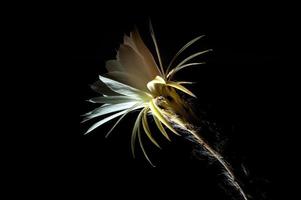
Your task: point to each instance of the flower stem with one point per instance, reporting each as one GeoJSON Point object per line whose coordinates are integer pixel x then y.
{"type": "Point", "coordinates": [220, 159]}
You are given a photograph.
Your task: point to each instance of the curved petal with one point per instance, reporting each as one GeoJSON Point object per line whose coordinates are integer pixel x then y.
{"type": "Point", "coordinates": [147, 130]}
{"type": "Point", "coordinates": [183, 49]}
{"type": "Point", "coordinates": [156, 111]}
{"type": "Point", "coordinates": [113, 65]}
{"type": "Point", "coordinates": [145, 53]}
{"type": "Point", "coordinates": [161, 128]}
{"type": "Point", "coordinates": [136, 106]}
{"type": "Point", "coordinates": [122, 88]}
{"type": "Point", "coordinates": [134, 63]}
{"type": "Point", "coordinates": [180, 87]}
{"type": "Point", "coordinates": [101, 122]}
{"type": "Point", "coordinates": [142, 148]}
{"type": "Point", "coordinates": [107, 109]}
{"type": "Point", "coordinates": [135, 131]}
{"type": "Point", "coordinates": [112, 99]}
{"type": "Point", "coordinates": [175, 70]}
{"type": "Point", "coordinates": [128, 79]}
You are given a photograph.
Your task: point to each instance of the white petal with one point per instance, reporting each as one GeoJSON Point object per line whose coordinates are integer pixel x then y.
{"type": "Point", "coordinates": [127, 79]}
{"type": "Point", "coordinates": [136, 106]}
{"type": "Point", "coordinates": [101, 122]}
{"type": "Point", "coordinates": [103, 110]}
{"type": "Point", "coordinates": [102, 88]}
{"type": "Point", "coordinates": [121, 88]}
{"type": "Point", "coordinates": [112, 99]}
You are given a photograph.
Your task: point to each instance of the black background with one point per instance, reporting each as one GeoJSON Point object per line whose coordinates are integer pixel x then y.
{"type": "Point", "coordinates": [245, 89]}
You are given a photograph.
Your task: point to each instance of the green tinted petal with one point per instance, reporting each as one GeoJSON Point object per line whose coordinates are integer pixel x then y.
{"type": "Point", "coordinates": [147, 130]}
{"type": "Point", "coordinates": [160, 127]}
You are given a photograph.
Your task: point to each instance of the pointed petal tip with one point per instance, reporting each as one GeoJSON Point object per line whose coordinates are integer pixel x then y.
{"type": "Point", "coordinates": [86, 133]}
{"type": "Point", "coordinates": [83, 121]}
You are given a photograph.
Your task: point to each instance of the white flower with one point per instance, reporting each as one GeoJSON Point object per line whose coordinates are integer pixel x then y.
{"type": "Point", "coordinates": [135, 81]}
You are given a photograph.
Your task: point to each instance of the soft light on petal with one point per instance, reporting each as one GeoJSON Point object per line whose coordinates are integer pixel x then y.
{"type": "Point", "coordinates": [112, 99]}
{"type": "Point", "coordinates": [175, 70]}
{"type": "Point", "coordinates": [161, 128]}
{"type": "Point", "coordinates": [101, 122]}
{"type": "Point", "coordinates": [156, 111]}
{"type": "Point", "coordinates": [135, 131]}
{"type": "Point", "coordinates": [147, 130]}
{"type": "Point", "coordinates": [183, 49]}
{"type": "Point", "coordinates": [180, 87]}
{"type": "Point", "coordinates": [136, 106]}
{"type": "Point", "coordinates": [122, 88]}
{"type": "Point", "coordinates": [107, 109]}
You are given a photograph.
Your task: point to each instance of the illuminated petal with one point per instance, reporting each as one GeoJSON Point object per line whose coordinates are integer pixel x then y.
{"type": "Point", "coordinates": [142, 148]}
{"type": "Point", "coordinates": [134, 63]}
{"type": "Point", "coordinates": [136, 106]}
{"type": "Point", "coordinates": [180, 87]}
{"type": "Point", "coordinates": [175, 70]}
{"type": "Point", "coordinates": [101, 122]}
{"type": "Point", "coordinates": [146, 129]}
{"type": "Point", "coordinates": [108, 108]}
{"type": "Point", "coordinates": [112, 99]}
{"type": "Point", "coordinates": [122, 88]}
{"type": "Point", "coordinates": [192, 56]}
{"type": "Point", "coordinates": [156, 47]}
{"type": "Point", "coordinates": [127, 79]}
{"type": "Point", "coordinates": [160, 127]}
{"type": "Point", "coordinates": [156, 112]}
{"type": "Point", "coordinates": [102, 88]}
{"type": "Point", "coordinates": [152, 84]}
{"type": "Point", "coordinates": [181, 50]}
{"type": "Point", "coordinates": [134, 132]}
{"type": "Point", "coordinates": [185, 82]}
{"type": "Point", "coordinates": [145, 53]}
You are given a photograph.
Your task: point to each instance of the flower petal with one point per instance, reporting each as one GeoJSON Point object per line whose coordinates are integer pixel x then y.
{"type": "Point", "coordinates": [101, 122]}
{"type": "Point", "coordinates": [176, 69]}
{"type": "Point", "coordinates": [161, 128]}
{"type": "Point", "coordinates": [135, 131]}
{"type": "Point", "coordinates": [152, 84]}
{"type": "Point", "coordinates": [180, 87]}
{"type": "Point", "coordinates": [112, 99]}
{"type": "Point", "coordinates": [156, 47]}
{"type": "Point", "coordinates": [108, 108]}
{"type": "Point", "coordinates": [113, 65]}
{"type": "Point", "coordinates": [193, 56]}
{"type": "Point", "coordinates": [136, 106]}
{"type": "Point", "coordinates": [185, 82]}
{"type": "Point", "coordinates": [145, 53]}
{"type": "Point", "coordinates": [182, 49]}
{"type": "Point", "coordinates": [121, 88]}
{"type": "Point", "coordinates": [134, 63]}
{"type": "Point", "coordinates": [156, 111]}
{"type": "Point", "coordinates": [127, 79]}
{"type": "Point", "coordinates": [101, 88]}
{"type": "Point", "coordinates": [146, 129]}
{"type": "Point", "coordinates": [142, 148]}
